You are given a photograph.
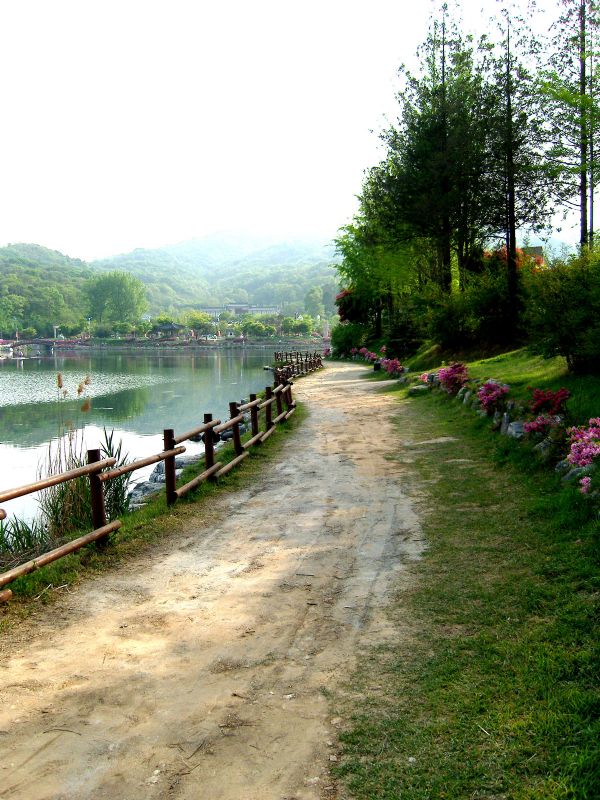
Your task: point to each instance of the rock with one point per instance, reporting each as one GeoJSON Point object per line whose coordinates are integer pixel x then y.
{"type": "Point", "coordinates": [515, 429]}
{"type": "Point", "coordinates": [420, 389]}
{"type": "Point", "coordinates": [574, 474]}
{"type": "Point", "coordinates": [402, 380]}
{"type": "Point", "coordinates": [142, 491]}
{"type": "Point", "coordinates": [563, 466]}
{"type": "Point", "coordinates": [481, 413]}
{"type": "Point", "coordinates": [181, 462]}
{"type": "Point", "coordinates": [467, 396]}
{"type": "Point", "coordinates": [461, 393]}
{"type": "Point", "coordinates": [544, 450]}
{"type": "Point", "coordinates": [496, 421]}
{"type": "Point", "coordinates": [505, 423]}
{"type": "Point", "coordinates": [476, 405]}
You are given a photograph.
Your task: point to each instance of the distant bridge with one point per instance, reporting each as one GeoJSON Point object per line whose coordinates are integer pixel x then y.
{"type": "Point", "coordinates": [44, 345]}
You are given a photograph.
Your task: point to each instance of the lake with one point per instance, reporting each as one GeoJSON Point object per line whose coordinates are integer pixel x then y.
{"type": "Point", "coordinates": [136, 394]}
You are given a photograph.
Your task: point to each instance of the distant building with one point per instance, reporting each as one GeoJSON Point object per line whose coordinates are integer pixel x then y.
{"type": "Point", "coordinates": [536, 253]}
{"type": "Point", "coordinates": [238, 309]}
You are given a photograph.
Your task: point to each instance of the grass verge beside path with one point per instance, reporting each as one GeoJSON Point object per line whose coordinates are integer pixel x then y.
{"type": "Point", "coordinates": [148, 525]}
{"type": "Point", "coordinates": [492, 690]}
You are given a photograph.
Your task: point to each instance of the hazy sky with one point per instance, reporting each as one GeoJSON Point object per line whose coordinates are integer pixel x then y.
{"type": "Point", "coordinates": [137, 123]}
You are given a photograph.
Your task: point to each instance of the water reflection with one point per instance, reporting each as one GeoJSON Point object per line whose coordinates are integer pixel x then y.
{"type": "Point", "coordinates": [137, 395]}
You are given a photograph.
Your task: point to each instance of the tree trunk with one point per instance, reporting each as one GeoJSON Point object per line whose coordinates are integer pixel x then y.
{"type": "Point", "coordinates": [583, 134]}
{"type": "Point", "coordinates": [511, 225]}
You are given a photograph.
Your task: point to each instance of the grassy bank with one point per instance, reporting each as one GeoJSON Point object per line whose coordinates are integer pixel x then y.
{"type": "Point", "coordinates": [492, 689]}
{"type": "Point", "coordinates": [143, 528]}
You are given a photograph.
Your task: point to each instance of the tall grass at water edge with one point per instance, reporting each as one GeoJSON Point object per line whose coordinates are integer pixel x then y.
{"type": "Point", "coordinates": [65, 508]}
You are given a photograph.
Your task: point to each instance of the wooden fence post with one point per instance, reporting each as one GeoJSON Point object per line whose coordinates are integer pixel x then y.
{"type": "Point", "coordinates": [237, 441]}
{"type": "Point", "coordinates": [209, 447]}
{"type": "Point", "coordinates": [288, 395]}
{"type": "Point", "coordinates": [97, 496]}
{"type": "Point", "coordinates": [254, 416]}
{"type": "Point", "coordinates": [170, 479]}
{"type": "Point", "coordinates": [268, 409]}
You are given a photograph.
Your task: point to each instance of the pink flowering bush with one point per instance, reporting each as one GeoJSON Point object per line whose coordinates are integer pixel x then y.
{"type": "Point", "coordinates": [392, 366]}
{"type": "Point", "coordinates": [542, 424]}
{"type": "Point", "coordinates": [585, 443]}
{"type": "Point", "coordinates": [492, 395]}
{"type": "Point", "coordinates": [585, 448]}
{"type": "Point", "coordinates": [424, 377]}
{"type": "Point", "coordinates": [552, 402]}
{"type": "Point", "coordinates": [452, 378]}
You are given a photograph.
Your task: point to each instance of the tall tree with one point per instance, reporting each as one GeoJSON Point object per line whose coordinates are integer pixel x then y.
{"type": "Point", "coordinates": [435, 179]}
{"type": "Point", "coordinates": [568, 84]}
{"type": "Point", "coordinates": [116, 297]}
{"type": "Point", "coordinates": [518, 184]}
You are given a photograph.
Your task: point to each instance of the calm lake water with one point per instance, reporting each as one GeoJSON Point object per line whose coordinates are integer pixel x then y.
{"type": "Point", "coordinates": [137, 395]}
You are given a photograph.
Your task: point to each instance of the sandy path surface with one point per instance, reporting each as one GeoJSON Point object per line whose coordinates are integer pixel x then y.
{"type": "Point", "coordinates": [202, 669]}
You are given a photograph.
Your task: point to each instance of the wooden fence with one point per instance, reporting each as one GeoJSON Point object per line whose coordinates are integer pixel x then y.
{"type": "Point", "coordinates": [278, 399]}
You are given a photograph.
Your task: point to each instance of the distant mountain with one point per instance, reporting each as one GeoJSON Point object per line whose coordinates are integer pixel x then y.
{"type": "Point", "coordinates": [40, 287]}
{"type": "Point", "coordinates": [34, 255]}
{"type": "Point", "coordinates": [229, 268]}
{"type": "Point", "coordinates": [43, 288]}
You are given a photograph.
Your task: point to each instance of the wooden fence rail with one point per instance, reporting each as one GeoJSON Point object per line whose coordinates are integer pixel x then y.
{"type": "Point", "coordinates": [98, 470]}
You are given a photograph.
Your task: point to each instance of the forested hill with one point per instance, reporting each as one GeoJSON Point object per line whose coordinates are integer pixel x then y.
{"type": "Point", "coordinates": [231, 268]}
{"type": "Point", "coordinates": [40, 288]}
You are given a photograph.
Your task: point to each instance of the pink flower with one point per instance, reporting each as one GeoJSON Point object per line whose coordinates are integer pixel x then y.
{"type": "Point", "coordinates": [585, 484]}
{"type": "Point", "coordinates": [585, 443]}
{"type": "Point", "coordinates": [542, 424]}
{"type": "Point", "coordinates": [491, 395]}
{"type": "Point", "coordinates": [453, 377]}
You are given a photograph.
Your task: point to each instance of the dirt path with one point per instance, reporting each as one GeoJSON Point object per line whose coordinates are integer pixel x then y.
{"type": "Point", "coordinates": [202, 671]}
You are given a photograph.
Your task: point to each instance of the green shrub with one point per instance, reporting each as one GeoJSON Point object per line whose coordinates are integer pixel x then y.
{"type": "Point", "coordinates": [345, 336]}
{"type": "Point", "coordinates": [408, 329]}
{"type": "Point", "coordinates": [563, 312]}
{"type": "Point", "coordinates": [478, 315]}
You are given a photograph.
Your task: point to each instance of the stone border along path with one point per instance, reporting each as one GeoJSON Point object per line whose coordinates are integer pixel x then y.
{"type": "Point", "coordinates": [200, 670]}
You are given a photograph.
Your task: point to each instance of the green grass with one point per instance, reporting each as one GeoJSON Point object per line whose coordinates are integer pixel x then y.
{"type": "Point", "coordinates": [522, 369]}
{"type": "Point", "coordinates": [149, 524]}
{"type": "Point", "coordinates": [492, 689]}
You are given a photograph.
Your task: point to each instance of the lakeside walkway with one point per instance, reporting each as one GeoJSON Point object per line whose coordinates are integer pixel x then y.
{"type": "Point", "coordinates": [200, 670]}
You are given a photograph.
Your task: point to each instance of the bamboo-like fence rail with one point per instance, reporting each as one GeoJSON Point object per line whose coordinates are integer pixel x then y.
{"type": "Point", "coordinates": [98, 470]}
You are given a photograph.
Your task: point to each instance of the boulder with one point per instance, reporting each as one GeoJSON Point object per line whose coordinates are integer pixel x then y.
{"type": "Point", "coordinates": [142, 491]}
{"type": "Point", "coordinates": [575, 473]}
{"type": "Point", "coordinates": [515, 429]}
{"type": "Point", "coordinates": [563, 466]}
{"type": "Point", "coordinates": [419, 389]}
{"type": "Point", "coordinates": [544, 450]}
